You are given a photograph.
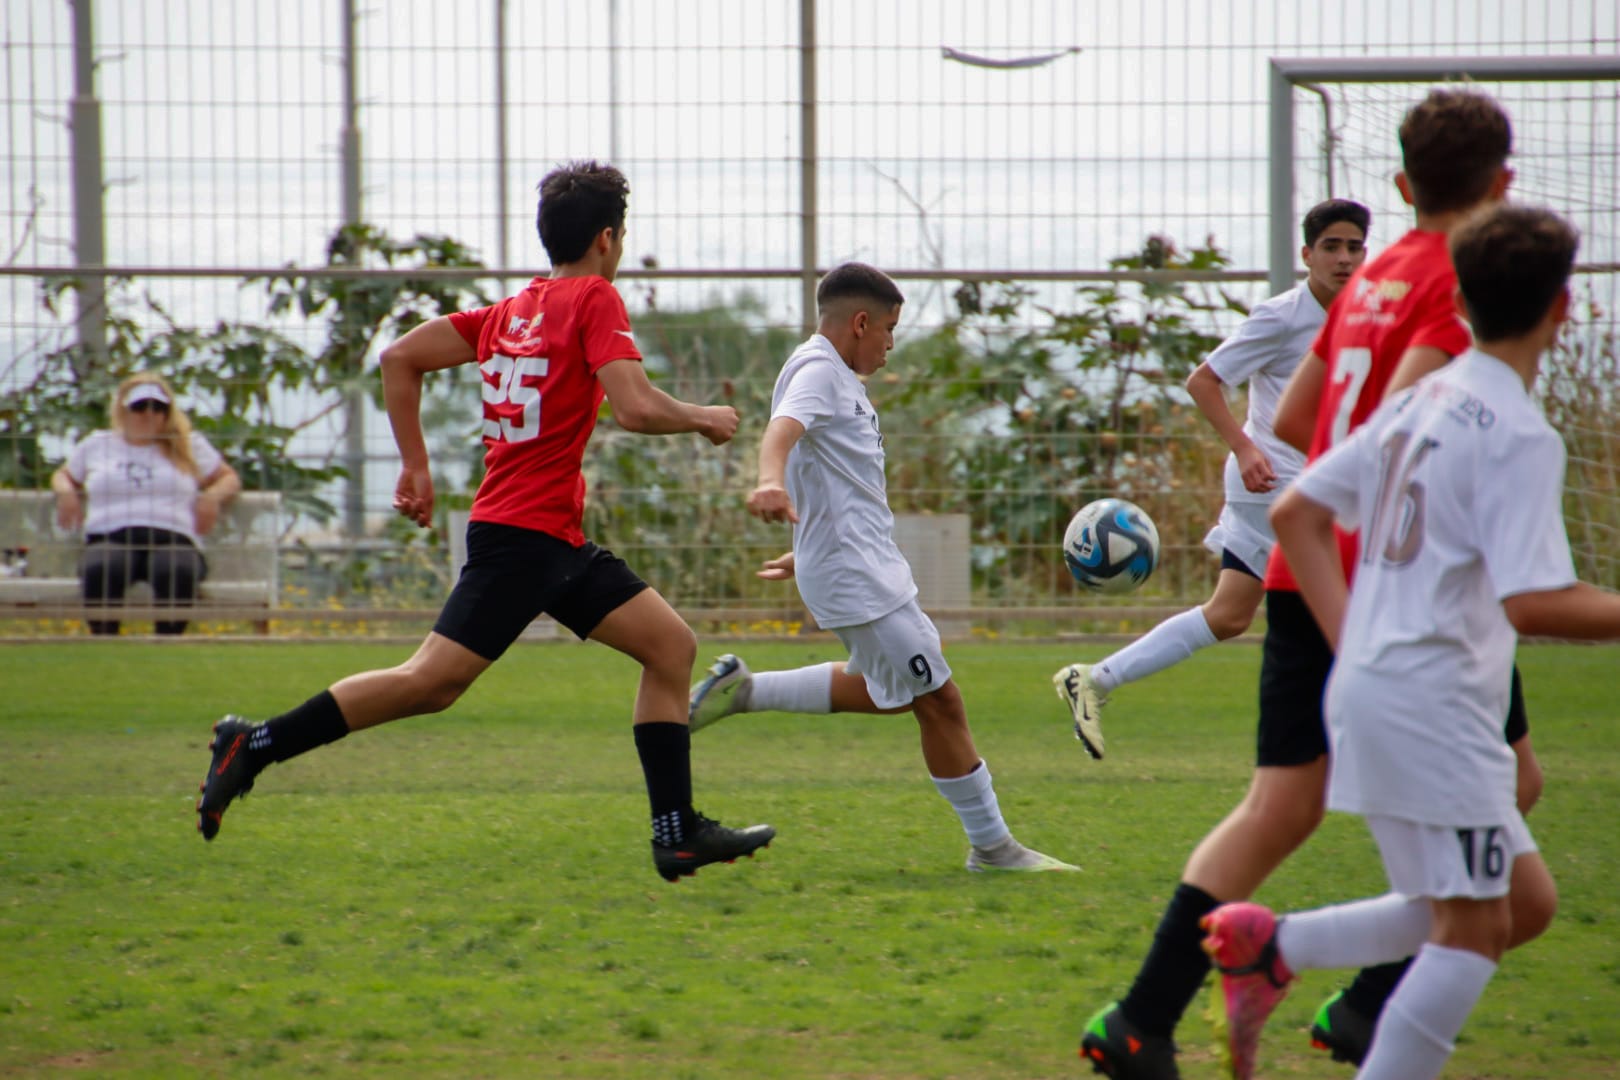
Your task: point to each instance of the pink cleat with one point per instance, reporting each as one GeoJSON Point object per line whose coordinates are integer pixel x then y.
{"type": "Point", "coordinates": [1241, 940]}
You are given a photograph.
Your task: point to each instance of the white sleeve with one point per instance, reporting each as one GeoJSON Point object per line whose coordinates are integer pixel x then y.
{"type": "Point", "coordinates": [1521, 518]}
{"type": "Point", "coordinates": [203, 453]}
{"type": "Point", "coordinates": [1335, 479]}
{"type": "Point", "coordinates": [78, 462]}
{"type": "Point", "coordinates": [811, 395]}
{"type": "Point", "coordinates": [1252, 346]}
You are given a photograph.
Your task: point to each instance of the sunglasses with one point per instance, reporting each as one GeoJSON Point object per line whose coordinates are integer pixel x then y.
{"type": "Point", "coordinates": [148, 405]}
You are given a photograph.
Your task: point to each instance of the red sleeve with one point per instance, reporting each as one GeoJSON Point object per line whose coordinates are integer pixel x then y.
{"type": "Point", "coordinates": [469, 324]}
{"type": "Point", "coordinates": [1440, 327]}
{"type": "Point", "coordinates": [604, 327]}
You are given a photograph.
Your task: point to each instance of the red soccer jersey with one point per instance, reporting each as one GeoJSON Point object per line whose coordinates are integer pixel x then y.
{"type": "Point", "coordinates": [1398, 301]}
{"type": "Point", "coordinates": [539, 352]}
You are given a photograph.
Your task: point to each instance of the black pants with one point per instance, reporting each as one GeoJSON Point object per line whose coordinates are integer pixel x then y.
{"type": "Point", "coordinates": [168, 561]}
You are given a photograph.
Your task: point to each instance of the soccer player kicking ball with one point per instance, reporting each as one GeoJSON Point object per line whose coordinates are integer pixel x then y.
{"type": "Point", "coordinates": [1457, 487]}
{"type": "Point", "coordinates": [1263, 352]}
{"type": "Point", "coordinates": [548, 357]}
{"type": "Point", "coordinates": [821, 468]}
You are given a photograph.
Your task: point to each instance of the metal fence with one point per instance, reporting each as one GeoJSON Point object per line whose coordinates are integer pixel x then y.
{"type": "Point", "coordinates": [765, 140]}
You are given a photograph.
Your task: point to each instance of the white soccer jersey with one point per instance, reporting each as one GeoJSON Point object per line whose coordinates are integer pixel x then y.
{"type": "Point", "coordinates": [1457, 488]}
{"type": "Point", "coordinates": [128, 485]}
{"type": "Point", "coordinates": [1264, 351]}
{"type": "Point", "coordinates": [848, 567]}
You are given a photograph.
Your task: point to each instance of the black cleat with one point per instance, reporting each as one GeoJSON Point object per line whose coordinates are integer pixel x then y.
{"type": "Point", "coordinates": [1117, 1049]}
{"type": "Point", "coordinates": [230, 773]}
{"type": "Point", "coordinates": [1341, 1030]}
{"type": "Point", "coordinates": [709, 842]}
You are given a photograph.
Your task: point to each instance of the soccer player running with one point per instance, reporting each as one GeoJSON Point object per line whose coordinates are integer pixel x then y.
{"type": "Point", "coordinates": [548, 356]}
{"type": "Point", "coordinates": [1263, 352]}
{"type": "Point", "coordinates": [1395, 321]}
{"type": "Point", "coordinates": [1457, 487]}
{"type": "Point", "coordinates": [821, 468]}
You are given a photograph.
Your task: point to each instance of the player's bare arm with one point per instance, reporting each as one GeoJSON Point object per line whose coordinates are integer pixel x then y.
{"type": "Point", "coordinates": [1304, 529]}
{"type": "Point", "coordinates": [641, 407]}
{"type": "Point", "coordinates": [769, 500]}
{"type": "Point", "coordinates": [434, 345]}
{"type": "Point", "coordinates": [1581, 612]}
{"type": "Point", "coordinates": [1209, 394]}
{"type": "Point", "coordinates": [1415, 363]}
{"type": "Point", "coordinates": [1295, 421]}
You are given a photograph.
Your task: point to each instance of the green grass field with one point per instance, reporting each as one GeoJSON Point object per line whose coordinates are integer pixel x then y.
{"type": "Point", "coordinates": [471, 894]}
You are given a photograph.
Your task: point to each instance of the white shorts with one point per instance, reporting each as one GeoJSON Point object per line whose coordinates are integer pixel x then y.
{"type": "Point", "coordinates": [1442, 862]}
{"type": "Point", "coordinates": [1245, 531]}
{"type": "Point", "coordinates": [898, 655]}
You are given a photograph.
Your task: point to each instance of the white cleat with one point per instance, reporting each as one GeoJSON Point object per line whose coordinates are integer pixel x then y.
{"type": "Point", "coordinates": [1012, 856]}
{"type": "Point", "coordinates": [1076, 690]}
{"type": "Point", "coordinates": [722, 692]}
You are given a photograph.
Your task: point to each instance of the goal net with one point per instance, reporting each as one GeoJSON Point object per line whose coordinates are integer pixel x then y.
{"type": "Point", "coordinates": [1566, 156]}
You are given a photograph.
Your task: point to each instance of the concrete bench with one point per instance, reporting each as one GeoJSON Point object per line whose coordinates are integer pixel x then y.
{"type": "Point", "coordinates": [241, 553]}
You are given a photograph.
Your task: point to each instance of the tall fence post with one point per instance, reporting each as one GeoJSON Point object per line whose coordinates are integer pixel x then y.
{"type": "Point", "coordinates": [354, 436]}
{"type": "Point", "coordinates": [807, 162]}
{"type": "Point", "coordinates": [89, 229]}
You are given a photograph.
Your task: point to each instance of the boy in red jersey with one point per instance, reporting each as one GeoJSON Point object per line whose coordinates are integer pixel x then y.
{"type": "Point", "coordinates": [1396, 313]}
{"type": "Point", "coordinates": [548, 356]}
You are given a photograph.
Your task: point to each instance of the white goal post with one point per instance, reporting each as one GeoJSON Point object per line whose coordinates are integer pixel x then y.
{"type": "Point", "coordinates": [1565, 112]}
{"type": "Point", "coordinates": [1288, 73]}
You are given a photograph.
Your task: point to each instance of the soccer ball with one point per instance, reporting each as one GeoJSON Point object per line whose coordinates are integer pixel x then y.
{"type": "Point", "coordinates": [1111, 546]}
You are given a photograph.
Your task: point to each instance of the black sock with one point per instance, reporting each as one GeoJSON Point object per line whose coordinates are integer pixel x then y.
{"type": "Point", "coordinates": [316, 722]}
{"type": "Point", "coordinates": [1373, 985]}
{"type": "Point", "coordinates": [1175, 966]}
{"type": "Point", "coordinates": [665, 750]}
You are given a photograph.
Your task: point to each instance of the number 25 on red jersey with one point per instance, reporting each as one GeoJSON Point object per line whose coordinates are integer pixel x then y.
{"type": "Point", "coordinates": [512, 412]}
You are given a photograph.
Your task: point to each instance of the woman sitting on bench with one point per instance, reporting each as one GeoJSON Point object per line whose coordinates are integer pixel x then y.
{"type": "Point", "coordinates": [154, 487]}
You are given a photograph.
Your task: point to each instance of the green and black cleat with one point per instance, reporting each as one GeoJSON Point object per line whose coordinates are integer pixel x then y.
{"type": "Point", "coordinates": [1118, 1049]}
{"type": "Point", "coordinates": [1341, 1030]}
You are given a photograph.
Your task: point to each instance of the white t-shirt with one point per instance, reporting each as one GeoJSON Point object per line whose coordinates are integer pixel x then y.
{"type": "Point", "coordinates": [848, 567]}
{"type": "Point", "coordinates": [130, 485]}
{"type": "Point", "coordinates": [1457, 487]}
{"type": "Point", "coordinates": [1264, 351]}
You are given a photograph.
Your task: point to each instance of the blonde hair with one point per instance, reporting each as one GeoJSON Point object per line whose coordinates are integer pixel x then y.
{"type": "Point", "coordinates": [175, 439]}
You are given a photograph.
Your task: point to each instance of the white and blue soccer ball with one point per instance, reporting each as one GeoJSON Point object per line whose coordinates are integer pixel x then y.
{"type": "Point", "coordinates": [1111, 546]}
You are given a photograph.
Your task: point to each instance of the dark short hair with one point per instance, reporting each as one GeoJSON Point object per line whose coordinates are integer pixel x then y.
{"type": "Point", "coordinates": [577, 201]}
{"type": "Point", "coordinates": [858, 281]}
{"type": "Point", "coordinates": [1512, 262]}
{"type": "Point", "coordinates": [1453, 143]}
{"type": "Point", "coordinates": [1331, 212]}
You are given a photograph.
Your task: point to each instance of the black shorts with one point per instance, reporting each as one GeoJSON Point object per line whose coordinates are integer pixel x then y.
{"type": "Point", "coordinates": [513, 575]}
{"type": "Point", "coordinates": [1518, 721]}
{"type": "Point", "coordinates": [1230, 561]}
{"type": "Point", "coordinates": [1294, 666]}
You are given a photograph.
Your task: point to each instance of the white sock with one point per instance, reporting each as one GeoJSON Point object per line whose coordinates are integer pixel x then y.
{"type": "Point", "coordinates": [1376, 931]}
{"type": "Point", "coordinates": [801, 690]}
{"type": "Point", "coordinates": [974, 801]}
{"type": "Point", "coordinates": [1418, 1028]}
{"type": "Point", "coordinates": [1167, 644]}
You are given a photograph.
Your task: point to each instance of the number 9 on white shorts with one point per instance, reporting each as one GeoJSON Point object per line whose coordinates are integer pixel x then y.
{"type": "Point", "coordinates": [898, 655]}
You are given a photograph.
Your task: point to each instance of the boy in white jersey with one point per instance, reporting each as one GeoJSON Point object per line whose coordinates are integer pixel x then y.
{"type": "Point", "coordinates": [1262, 352]}
{"type": "Point", "coordinates": [1456, 485]}
{"type": "Point", "coordinates": [821, 468]}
